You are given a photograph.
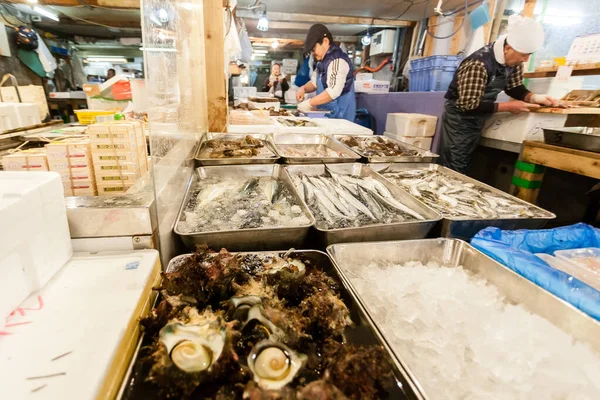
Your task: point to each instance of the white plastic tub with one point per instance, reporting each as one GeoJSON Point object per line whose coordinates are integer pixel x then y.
{"type": "Point", "coordinates": [410, 124]}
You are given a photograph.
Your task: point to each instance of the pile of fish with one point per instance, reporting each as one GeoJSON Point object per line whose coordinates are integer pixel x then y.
{"type": "Point", "coordinates": [344, 201]}
{"type": "Point", "coordinates": [377, 146]}
{"type": "Point", "coordinates": [309, 150]}
{"type": "Point", "coordinates": [241, 203]}
{"type": "Point", "coordinates": [296, 123]}
{"type": "Point", "coordinates": [454, 197]}
{"type": "Point", "coordinates": [246, 147]}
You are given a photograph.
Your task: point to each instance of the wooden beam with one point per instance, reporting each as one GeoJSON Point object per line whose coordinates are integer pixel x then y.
{"type": "Point", "coordinates": [528, 8]}
{"type": "Point", "coordinates": [578, 162]}
{"type": "Point", "coordinates": [327, 19]}
{"type": "Point", "coordinates": [125, 4]}
{"type": "Point", "coordinates": [487, 28]}
{"type": "Point", "coordinates": [430, 40]}
{"type": "Point", "coordinates": [216, 86]}
{"type": "Point", "coordinates": [300, 36]}
{"type": "Point", "coordinates": [497, 20]}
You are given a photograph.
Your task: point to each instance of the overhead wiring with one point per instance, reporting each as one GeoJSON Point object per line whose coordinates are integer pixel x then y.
{"type": "Point", "coordinates": [453, 33]}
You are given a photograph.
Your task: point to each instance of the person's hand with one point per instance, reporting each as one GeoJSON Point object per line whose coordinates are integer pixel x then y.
{"type": "Point", "coordinates": [280, 80]}
{"type": "Point", "coordinates": [305, 106]}
{"type": "Point", "coordinates": [545, 100]}
{"type": "Point", "coordinates": [517, 106]}
{"type": "Point", "coordinates": [270, 84]}
{"type": "Point", "coordinates": [300, 94]}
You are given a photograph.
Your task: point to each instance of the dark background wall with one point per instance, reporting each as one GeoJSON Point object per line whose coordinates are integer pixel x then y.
{"type": "Point", "coordinates": [12, 65]}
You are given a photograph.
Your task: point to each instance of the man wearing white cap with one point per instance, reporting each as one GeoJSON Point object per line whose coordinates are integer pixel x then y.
{"type": "Point", "coordinates": [471, 96]}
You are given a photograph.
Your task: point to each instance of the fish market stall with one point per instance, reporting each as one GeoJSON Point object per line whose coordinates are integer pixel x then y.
{"type": "Point", "coordinates": [250, 324]}
{"type": "Point", "coordinates": [227, 149]}
{"type": "Point", "coordinates": [242, 207]}
{"type": "Point", "coordinates": [351, 203]}
{"type": "Point", "coordinates": [310, 149]}
{"type": "Point", "coordinates": [466, 205]}
{"type": "Point", "coordinates": [380, 149]}
{"type": "Point", "coordinates": [465, 326]}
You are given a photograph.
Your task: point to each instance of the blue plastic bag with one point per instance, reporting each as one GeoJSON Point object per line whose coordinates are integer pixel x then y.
{"type": "Point", "coordinates": [516, 249]}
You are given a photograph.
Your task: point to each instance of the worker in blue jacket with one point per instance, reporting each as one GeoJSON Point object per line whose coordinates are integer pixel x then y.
{"type": "Point", "coordinates": [333, 78]}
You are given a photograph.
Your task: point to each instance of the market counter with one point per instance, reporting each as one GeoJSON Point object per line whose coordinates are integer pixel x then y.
{"type": "Point", "coordinates": [380, 104]}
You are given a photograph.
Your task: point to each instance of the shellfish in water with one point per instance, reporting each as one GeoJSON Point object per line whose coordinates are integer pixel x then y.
{"type": "Point", "coordinates": [274, 365]}
{"type": "Point", "coordinates": [193, 348]}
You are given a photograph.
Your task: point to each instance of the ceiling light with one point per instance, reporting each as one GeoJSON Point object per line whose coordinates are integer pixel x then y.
{"type": "Point", "coordinates": [275, 44]}
{"type": "Point", "coordinates": [46, 13]}
{"type": "Point", "coordinates": [366, 40]}
{"type": "Point", "coordinates": [32, 1]}
{"type": "Point", "coordinates": [163, 15]}
{"type": "Point", "coordinates": [263, 23]}
{"type": "Point", "coordinates": [565, 20]}
{"type": "Point", "coordinates": [158, 49]}
{"type": "Point", "coordinates": [260, 51]}
{"type": "Point", "coordinates": [114, 60]}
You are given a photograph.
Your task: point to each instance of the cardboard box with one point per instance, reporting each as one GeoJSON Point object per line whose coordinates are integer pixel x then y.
{"type": "Point", "coordinates": [68, 148]}
{"type": "Point", "coordinates": [26, 160]}
{"type": "Point", "coordinates": [113, 189]}
{"type": "Point", "coordinates": [371, 86]}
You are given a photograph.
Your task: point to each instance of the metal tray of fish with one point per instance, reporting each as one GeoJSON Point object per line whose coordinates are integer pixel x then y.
{"type": "Point", "coordinates": [466, 227]}
{"type": "Point", "coordinates": [453, 253]}
{"type": "Point", "coordinates": [411, 229]}
{"type": "Point", "coordinates": [260, 238]}
{"type": "Point", "coordinates": [416, 154]}
{"type": "Point", "coordinates": [361, 332]}
{"type": "Point", "coordinates": [579, 137]}
{"type": "Point", "coordinates": [298, 148]}
{"type": "Point", "coordinates": [265, 150]}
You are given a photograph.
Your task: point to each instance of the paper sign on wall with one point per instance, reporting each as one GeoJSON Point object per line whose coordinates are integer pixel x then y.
{"type": "Point", "coordinates": [564, 73]}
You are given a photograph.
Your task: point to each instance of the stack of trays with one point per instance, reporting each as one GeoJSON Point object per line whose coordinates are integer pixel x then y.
{"type": "Point", "coordinates": [119, 155]}
{"type": "Point", "coordinates": [72, 159]}
{"type": "Point", "coordinates": [26, 160]}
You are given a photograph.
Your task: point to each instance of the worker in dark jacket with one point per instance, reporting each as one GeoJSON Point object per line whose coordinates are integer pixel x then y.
{"type": "Point", "coordinates": [471, 96]}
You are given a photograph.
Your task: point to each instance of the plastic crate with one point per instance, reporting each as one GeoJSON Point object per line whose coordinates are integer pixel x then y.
{"type": "Point", "coordinates": [418, 81]}
{"type": "Point", "coordinates": [444, 61]}
{"type": "Point", "coordinates": [88, 117]}
{"type": "Point", "coordinates": [419, 63]}
{"type": "Point", "coordinates": [440, 78]}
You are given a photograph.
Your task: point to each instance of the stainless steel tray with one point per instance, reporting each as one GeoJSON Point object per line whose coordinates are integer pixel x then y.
{"type": "Point", "coordinates": [402, 230]}
{"type": "Point", "coordinates": [362, 332]}
{"type": "Point", "coordinates": [423, 157]}
{"type": "Point", "coordinates": [466, 228]}
{"type": "Point", "coordinates": [453, 253]}
{"type": "Point", "coordinates": [581, 137]}
{"type": "Point", "coordinates": [268, 140]}
{"type": "Point", "coordinates": [313, 139]}
{"type": "Point", "coordinates": [245, 239]}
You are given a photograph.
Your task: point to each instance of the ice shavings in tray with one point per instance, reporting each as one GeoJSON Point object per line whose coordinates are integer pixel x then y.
{"type": "Point", "coordinates": [461, 339]}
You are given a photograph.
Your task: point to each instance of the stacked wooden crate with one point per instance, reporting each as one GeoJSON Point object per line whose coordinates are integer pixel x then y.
{"type": "Point", "coordinates": [26, 160]}
{"type": "Point", "coordinates": [119, 155]}
{"type": "Point", "coordinates": [71, 158]}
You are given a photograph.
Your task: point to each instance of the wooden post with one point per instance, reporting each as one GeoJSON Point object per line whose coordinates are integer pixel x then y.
{"type": "Point", "coordinates": [216, 84]}
{"type": "Point", "coordinates": [487, 28]}
{"type": "Point", "coordinates": [430, 40]}
{"type": "Point", "coordinates": [497, 19]}
{"type": "Point", "coordinates": [528, 8]}
{"type": "Point", "coordinates": [455, 43]}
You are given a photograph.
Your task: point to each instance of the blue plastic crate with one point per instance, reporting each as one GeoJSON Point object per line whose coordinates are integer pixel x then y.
{"type": "Point", "coordinates": [419, 80]}
{"type": "Point", "coordinates": [419, 64]}
{"type": "Point", "coordinates": [440, 78]}
{"type": "Point", "coordinates": [445, 61]}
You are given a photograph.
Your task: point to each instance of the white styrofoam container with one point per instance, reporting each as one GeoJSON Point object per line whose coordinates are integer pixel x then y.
{"type": "Point", "coordinates": [281, 128]}
{"type": "Point", "coordinates": [371, 86]}
{"type": "Point", "coordinates": [418, 141]}
{"type": "Point", "coordinates": [35, 241]}
{"type": "Point", "coordinates": [365, 76]}
{"type": "Point", "coordinates": [28, 114]}
{"type": "Point", "coordinates": [8, 117]}
{"type": "Point", "coordinates": [243, 92]}
{"type": "Point", "coordinates": [85, 314]}
{"type": "Point", "coordinates": [337, 126]}
{"type": "Point", "coordinates": [525, 126]}
{"type": "Point", "coordinates": [289, 70]}
{"type": "Point", "coordinates": [411, 124]}
{"type": "Point", "coordinates": [290, 62]}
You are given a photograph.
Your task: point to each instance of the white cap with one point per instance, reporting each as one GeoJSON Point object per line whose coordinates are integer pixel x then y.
{"type": "Point", "coordinates": [525, 35]}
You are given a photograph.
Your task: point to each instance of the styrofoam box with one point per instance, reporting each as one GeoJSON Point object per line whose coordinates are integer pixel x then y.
{"type": "Point", "coordinates": [409, 124]}
{"type": "Point", "coordinates": [8, 117]}
{"type": "Point", "coordinates": [525, 126]}
{"type": "Point", "coordinates": [35, 241]}
{"type": "Point", "coordinates": [372, 86]}
{"type": "Point", "coordinates": [28, 114]}
{"type": "Point", "coordinates": [243, 92]}
{"type": "Point", "coordinates": [418, 141]}
{"type": "Point", "coordinates": [289, 70]}
{"type": "Point", "coordinates": [84, 314]}
{"type": "Point", "coordinates": [367, 76]}
{"type": "Point", "coordinates": [337, 126]}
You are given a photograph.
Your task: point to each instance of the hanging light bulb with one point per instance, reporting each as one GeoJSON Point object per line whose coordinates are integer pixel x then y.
{"type": "Point", "coordinates": [263, 23]}
{"type": "Point", "coordinates": [366, 40]}
{"type": "Point", "coordinates": [275, 44]}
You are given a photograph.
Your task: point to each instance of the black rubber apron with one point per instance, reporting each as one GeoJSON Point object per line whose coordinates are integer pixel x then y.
{"type": "Point", "coordinates": [461, 131]}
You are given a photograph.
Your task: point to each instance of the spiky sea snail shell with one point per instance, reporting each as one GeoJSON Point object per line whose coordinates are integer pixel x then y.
{"type": "Point", "coordinates": [193, 348]}
{"type": "Point", "coordinates": [274, 365]}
